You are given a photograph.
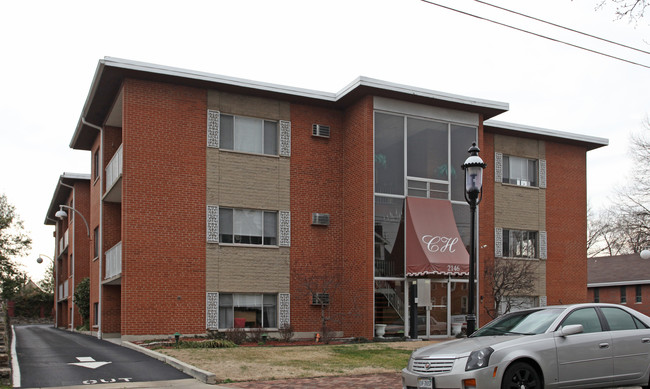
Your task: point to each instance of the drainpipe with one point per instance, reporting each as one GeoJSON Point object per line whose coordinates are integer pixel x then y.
{"type": "Point", "coordinates": [101, 221]}
{"type": "Point", "coordinates": [56, 272]}
{"type": "Point", "coordinates": [74, 255]}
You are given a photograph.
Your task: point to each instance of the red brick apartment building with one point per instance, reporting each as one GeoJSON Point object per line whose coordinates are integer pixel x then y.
{"type": "Point", "coordinates": [620, 279]}
{"type": "Point", "coordinates": [215, 203]}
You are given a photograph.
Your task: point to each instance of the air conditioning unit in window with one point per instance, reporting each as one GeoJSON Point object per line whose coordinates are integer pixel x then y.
{"type": "Point", "coordinates": [320, 219]}
{"type": "Point", "coordinates": [320, 130]}
{"type": "Point", "coordinates": [320, 299]}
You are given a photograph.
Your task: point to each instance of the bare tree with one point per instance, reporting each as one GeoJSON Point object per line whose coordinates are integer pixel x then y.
{"type": "Point", "coordinates": [323, 290]}
{"type": "Point", "coordinates": [624, 227]}
{"type": "Point", "coordinates": [508, 279]}
{"type": "Point", "coordinates": [627, 9]}
{"type": "Point", "coordinates": [604, 233]}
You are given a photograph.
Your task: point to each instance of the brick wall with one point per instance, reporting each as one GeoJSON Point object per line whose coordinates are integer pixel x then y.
{"type": "Point", "coordinates": [612, 295]}
{"type": "Point", "coordinates": [316, 186]}
{"type": "Point", "coordinates": [163, 209]}
{"type": "Point", "coordinates": [566, 223]}
{"type": "Point", "coordinates": [358, 206]}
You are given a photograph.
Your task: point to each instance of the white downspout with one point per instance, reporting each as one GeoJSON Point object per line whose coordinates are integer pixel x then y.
{"type": "Point", "coordinates": [101, 221]}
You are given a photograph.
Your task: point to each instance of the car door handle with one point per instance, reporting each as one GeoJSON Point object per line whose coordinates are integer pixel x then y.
{"type": "Point", "coordinates": [645, 340]}
{"type": "Point", "coordinates": [604, 345]}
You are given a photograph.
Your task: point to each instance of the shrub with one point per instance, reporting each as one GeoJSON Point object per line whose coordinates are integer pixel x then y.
{"type": "Point", "coordinates": [213, 343]}
{"type": "Point", "coordinates": [255, 334]}
{"type": "Point", "coordinates": [235, 335]}
{"type": "Point", "coordinates": [286, 332]}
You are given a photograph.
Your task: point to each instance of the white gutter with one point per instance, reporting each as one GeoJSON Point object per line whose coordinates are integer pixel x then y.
{"type": "Point", "coordinates": [546, 132]}
{"type": "Point", "coordinates": [617, 283]}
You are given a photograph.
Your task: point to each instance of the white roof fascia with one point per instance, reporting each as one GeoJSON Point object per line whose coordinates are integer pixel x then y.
{"type": "Point", "coordinates": [428, 93]}
{"type": "Point", "coordinates": [547, 132]}
{"type": "Point", "coordinates": [184, 73]}
{"type": "Point", "coordinates": [333, 97]}
{"type": "Point", "coordinates": [76, 176]}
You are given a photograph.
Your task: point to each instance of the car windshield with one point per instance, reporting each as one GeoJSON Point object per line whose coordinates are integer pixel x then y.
{"type": "Point", "coordinates": [530, 322]}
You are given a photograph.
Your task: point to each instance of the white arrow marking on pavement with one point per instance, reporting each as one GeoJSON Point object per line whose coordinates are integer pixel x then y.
{"type": "Point", "coordinates": [88, 362]}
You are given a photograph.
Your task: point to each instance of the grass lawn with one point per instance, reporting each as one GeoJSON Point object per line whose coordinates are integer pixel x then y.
{"type": "Point", "coordinates": [268, 363]}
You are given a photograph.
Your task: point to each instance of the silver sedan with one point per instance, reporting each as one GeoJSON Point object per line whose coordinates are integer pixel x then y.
{"type": "Point", "coordinates": [571, 346]}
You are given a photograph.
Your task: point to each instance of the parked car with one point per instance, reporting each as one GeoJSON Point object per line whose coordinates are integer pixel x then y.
{"type": "Point", "coordinates": [577, 346]}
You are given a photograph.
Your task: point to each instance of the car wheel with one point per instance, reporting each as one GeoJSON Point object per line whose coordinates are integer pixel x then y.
{"type": "Point", "coordinates": [521, 376]}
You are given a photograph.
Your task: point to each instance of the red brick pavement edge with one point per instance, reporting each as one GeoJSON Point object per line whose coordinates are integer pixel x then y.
{"type": "Point", "coordinates": [374, 381]}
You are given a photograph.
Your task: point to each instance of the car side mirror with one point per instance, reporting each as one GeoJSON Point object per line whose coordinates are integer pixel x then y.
{"type": "Point", "coordinates": [571, 329]}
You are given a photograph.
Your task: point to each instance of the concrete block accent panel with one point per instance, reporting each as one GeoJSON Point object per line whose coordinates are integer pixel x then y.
{"type": "Point", "coordinates": [542, 245]}
{"type": "Point", "coordinates": [285, 309]}
{"type": "Point", "coordinates": [212, 229]}
{"type": "Point", "coordinates": [542, 173]}
{"type": "Point", "coordinates": [498, 242]}
{"type": "Point", "coordinates": [498, 167]}
{"type": "Point", "coordinates": [212, 310]}
{"type": "Point", "coordinates": [213, 128]}
{"type": "Point", "coordinates": [285, 138]}
{"type": "Point", "coordinates": [285, 228]}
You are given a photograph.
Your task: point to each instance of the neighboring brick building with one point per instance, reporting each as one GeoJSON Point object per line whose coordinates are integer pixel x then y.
{"type": "Point", "coordinates": [620, 279]}
{"type": "Point", "coordinates": [73, 244]}
{"type": "Point", "coordinates": [221, 203]}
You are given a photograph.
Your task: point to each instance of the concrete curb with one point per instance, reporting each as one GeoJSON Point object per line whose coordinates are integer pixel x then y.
{"type": "Point", "coordinates": [201, 375]}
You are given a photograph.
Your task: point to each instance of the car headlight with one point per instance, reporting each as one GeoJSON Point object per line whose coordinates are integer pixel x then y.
{"type": "Point", "coordinates": [479, 359]}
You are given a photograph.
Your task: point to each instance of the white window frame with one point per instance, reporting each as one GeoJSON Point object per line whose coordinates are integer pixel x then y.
{"type": "Point", "coordinates": [224, 325]}
{"type": "Point", "coordinates": [522, 179]}
{"type": "Point", "coordinates": [239, 212]}
{"type": "Point", "coordinates": [236, 135]}
{"type": "Point", "coordinates": [506, 250]}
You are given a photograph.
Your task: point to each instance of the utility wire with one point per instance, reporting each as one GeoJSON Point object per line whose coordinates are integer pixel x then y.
{"type": "Point", "coordinates": [563, 27]}
{"type": "Point", "coordinates": [535, 34]}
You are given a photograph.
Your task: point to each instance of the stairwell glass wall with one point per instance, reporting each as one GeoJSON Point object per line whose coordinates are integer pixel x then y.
{"type": "Point", "coordinates": [419, 157]}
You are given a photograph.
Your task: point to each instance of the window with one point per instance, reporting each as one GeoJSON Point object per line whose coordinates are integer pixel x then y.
{"type": "Point", "coordinates": [587, 317]}
{"type": "Point", "coordinates": [618, 319]}
{"type": "Point", "coordinates": [248, 135]}
{"type": "Point", "coordinates": [95, 313]}
{"type": "Point", "coordinates": [248, 310]}
{"type": "Point", "coordinates": [246, 226]}
{"type": "Point", "coordinates": [430, 152]}
{"type": "Point", "coordinates": [639, 299]}
{"type": "Point", "coordinates": [623, 295]}
{"type": "Point", "coordinates": [96, 242]}
{"type": "Point", "coordinates": [519, 244]}
{"type": "Point", "coordinates": [596, 295]}
{"type": "Point", "coordinates": [96, 164]}
{"type": "Point", "coordinates": [519, 171]}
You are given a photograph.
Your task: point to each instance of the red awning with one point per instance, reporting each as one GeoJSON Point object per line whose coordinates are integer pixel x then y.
{"type": "Point", "coordinates": [433, 244]}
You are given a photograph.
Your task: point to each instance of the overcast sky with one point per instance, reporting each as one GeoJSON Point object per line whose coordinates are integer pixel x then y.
{"type": "Point", "coordinates": [50, 53]}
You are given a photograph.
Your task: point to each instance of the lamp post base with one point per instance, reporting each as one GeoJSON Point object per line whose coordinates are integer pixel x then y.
{"type": "Point", "coordinates": [471, 324]}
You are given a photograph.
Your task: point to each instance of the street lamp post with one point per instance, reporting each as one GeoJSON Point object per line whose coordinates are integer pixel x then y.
{"type": "Point", "coordinates": [40, 260]}
{"type": "Point", "coordinates": [473, 168]}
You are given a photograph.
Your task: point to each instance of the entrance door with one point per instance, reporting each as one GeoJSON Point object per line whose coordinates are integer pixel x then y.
{"type": "Point", "coordinates": [439, 306]}
{"type": "Point", "coordinates": [442, 306]}
{"type": "Point", "coordinates": [458, 296]}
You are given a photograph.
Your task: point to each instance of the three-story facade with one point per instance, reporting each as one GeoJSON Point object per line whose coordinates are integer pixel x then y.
{"type": "Point", "coordinates": [220, 203]}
